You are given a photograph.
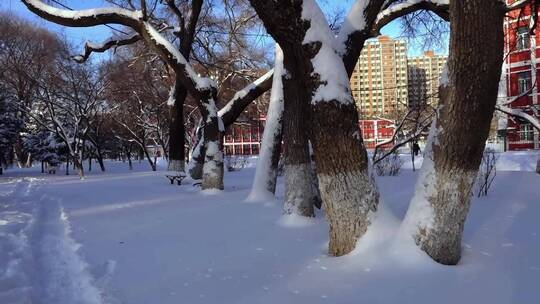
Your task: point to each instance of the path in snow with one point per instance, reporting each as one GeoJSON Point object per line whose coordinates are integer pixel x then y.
{"type": "Point", "coordinates": [40, 263]}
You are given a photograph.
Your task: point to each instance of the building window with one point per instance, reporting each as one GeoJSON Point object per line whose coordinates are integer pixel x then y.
{"type": "Point", "coordinates": [524, 82]}
{"type": "Point", "coordinates": [523, 39]}
{"type": "Point", "coordinates": [526, 132]}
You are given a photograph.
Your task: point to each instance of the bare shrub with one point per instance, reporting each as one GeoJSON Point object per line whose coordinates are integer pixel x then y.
{"type": "Point", "coordinates": [388, 166]}
{"type": "Point", "coordinates": [235, 163]}
{"type": "Point", "coordinates": [487, 172]}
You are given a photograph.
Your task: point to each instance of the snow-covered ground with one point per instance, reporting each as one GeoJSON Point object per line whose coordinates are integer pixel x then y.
{"type": "Point", "coordinates": [131, 237]}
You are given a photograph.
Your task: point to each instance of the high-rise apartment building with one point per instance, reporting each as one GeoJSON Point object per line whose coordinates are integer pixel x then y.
{"type": "Point", "coordinates": [424, 73]}
{"type": "Point", "coordinates": [379, 80]}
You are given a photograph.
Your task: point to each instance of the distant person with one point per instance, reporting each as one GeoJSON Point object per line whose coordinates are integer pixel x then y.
{"type": "Point", "coordinates": [416, 149]}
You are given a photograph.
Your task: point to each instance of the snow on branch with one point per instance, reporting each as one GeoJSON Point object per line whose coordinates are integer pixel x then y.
{"type": "Point", "coordinates": [191, 80]}
{"type": "Point", "coordinates": [86, 17]}
{"type": "Point", "coordinates": [328, 66]}
{"type": "Point", "coordinates": [244, 97]}
{"type": "Point", "coordinates": [394, 11]}
{"type": "Point", "coordinates": [535, 122]}
{"type": "Point", "coordinates": [90, 47]}
{"type": "Point", "coordinates": [517, 5]}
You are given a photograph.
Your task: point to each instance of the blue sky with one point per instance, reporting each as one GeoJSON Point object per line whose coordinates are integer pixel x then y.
{"type": "Point", "coordinates": [78, 36]}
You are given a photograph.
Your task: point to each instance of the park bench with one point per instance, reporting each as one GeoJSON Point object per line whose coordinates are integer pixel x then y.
{"type": "Point", "coordinates": [178, 177]}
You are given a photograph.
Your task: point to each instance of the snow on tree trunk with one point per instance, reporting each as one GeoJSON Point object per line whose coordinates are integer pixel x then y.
{"type": "Point", "coordinates": [213, 158]}
{"type": "Point", "coordinates": [299, 192]}
{"type": "Point", "coordinates": [177, 128]}
{"type": "Point", "coordinates": [348, 192]}
{"type": "Point", "coordinates": [468, 94]}
{"type": "Point", "coordinates": [196, 163]}
{"type": "Point", "coordinates": [264, 184]}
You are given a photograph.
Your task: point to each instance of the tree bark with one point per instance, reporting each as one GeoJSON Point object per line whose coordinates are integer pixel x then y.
{"type": "Point", "coordinates": [347, 190]}
{"type": "Point", "coordinates": [299, 193]}
{"type": "Point", "coordinates": [196, 163]}
{"type": "Point", "coordinates": [468, 94]}
{"type": "Point", "coordinates": [99, 157]}
{"type": "Point", "coordinates": [177, 133]}
{"type": "Point", "coordinates": [264, 183]}
{"type": "Point", "coordinates": [213, 145]}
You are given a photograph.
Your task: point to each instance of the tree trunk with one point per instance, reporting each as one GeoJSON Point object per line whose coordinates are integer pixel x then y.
{"type": "Point", "coordinates": [149, 158]}
{"type": "Point", "coordinates": [89, 163]}
{"type": "Point", "coordinates": [468, 94]}
{"type": "Point", "coordinates": [77, 163]}
{"type": "Point", "coordinates": [264, 184]}
{"type": "Point", "coordinates": [538, 166]}
{"type": "Point", "coordinates": [299, 194]}
{"type": "Point", "coordinates": [347, 190]}
{"type": "Point", "coordinates": [130, 164]}
{"type": "Point", "coordinates": [99, 157]}
{"type": "Point", "coordinates": [42, 167]}
{"type": "Point", "coordinates": [67, 166]}
{"type": "Point", "coordinates": [177, 133]}
{"type": "Point", "coordinates": [196, 163]}
{"type": "Point", "coordinates": [213, 145]}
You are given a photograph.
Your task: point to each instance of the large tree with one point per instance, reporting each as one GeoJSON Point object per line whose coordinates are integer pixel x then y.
{"type": "Point", "coordinates": [202, 89]}
{"type": "Point", "coordinates": [468, 94]}
{"type": "Point", "coordinates": [321, 65]}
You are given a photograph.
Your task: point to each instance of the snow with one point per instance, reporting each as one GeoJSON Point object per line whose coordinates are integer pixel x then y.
{"type": "Point", "coordinates": [202, 83]}
{"type": "Point", "coordinates": [131, 237]}
{"type": "Point", "coordinates": [242, 93]}
{"type": "Point", "coordinates": [393, 8]}
{"type": "Point", "coordinates": [327, 64]}
{"type": "Point", "coordinates": [421, 214]}
{"type": "Point", "coordinates": [86, 13]}
{"type": "Point", "coordinates": [263, 173]}
{"type": "Point", "coordinates": [171, 100]}
{"type": "Point", "coordinates": [355, 21]}
{"type": "Point", "coordinates": [445, 78]}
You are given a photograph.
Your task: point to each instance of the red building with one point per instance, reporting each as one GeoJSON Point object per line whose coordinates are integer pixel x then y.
{"type": "Point", "coordinates": [375, 131]}
{"type": "Point", "coordinates": [244, 137]}
{"type": "Point", "coordinates": [521, 75]}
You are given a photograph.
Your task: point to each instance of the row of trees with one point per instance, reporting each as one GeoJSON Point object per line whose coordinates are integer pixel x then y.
{"type": "Point", "coordinates": [312, 106]}
{"type": "Point", "coordinates": [54, 110]}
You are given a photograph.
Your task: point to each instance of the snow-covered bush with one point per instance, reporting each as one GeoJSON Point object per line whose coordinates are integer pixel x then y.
{"type": "Point", "coordinates": [235, 163]}
{"type": "Point", "coordinates": [389, 166]}
{"type": "Point", "coordinates": [487, 172]}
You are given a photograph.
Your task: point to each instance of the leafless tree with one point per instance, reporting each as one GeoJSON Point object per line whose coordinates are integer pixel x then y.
{"type": "Point", "coordinates": [139, 20]}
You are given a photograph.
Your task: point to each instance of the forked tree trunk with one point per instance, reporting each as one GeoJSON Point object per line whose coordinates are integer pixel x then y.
{"type": "Point", "coordinates": [264, 183]}
{"type": "Point", "coordinates": [347, 190]}
{"type": "Point", "coordinates": [177, 134]}
{"type": "Point", "coordinates": [468, 94]}
{"type": "Point", "coordinates": [299, 192]}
